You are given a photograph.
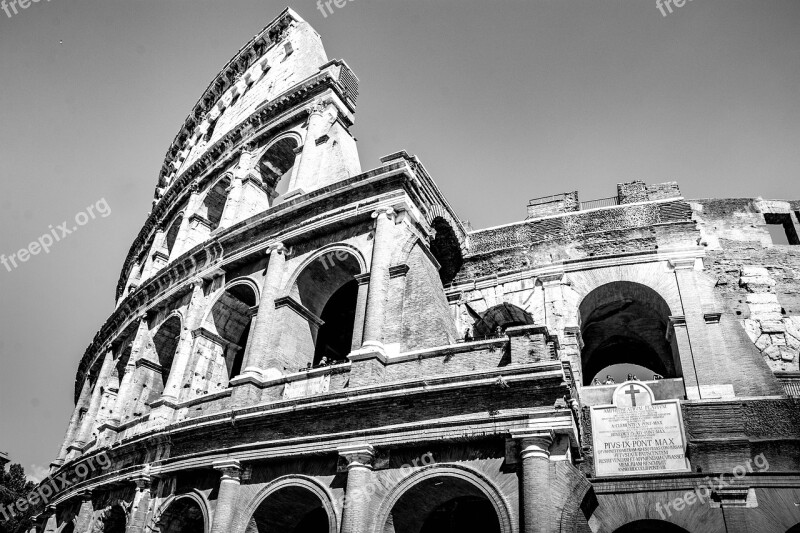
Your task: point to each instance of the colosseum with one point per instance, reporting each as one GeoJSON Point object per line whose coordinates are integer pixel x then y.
{"type": "Point", "coordinates": [300, 345]}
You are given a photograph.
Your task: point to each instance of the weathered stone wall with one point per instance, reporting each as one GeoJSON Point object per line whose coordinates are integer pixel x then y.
{"type": "Point", "coordinates": [758, 280]}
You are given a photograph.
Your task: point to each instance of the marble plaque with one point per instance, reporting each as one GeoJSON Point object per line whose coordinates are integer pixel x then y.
{"type": "Point", "coordinates": [638, 435]}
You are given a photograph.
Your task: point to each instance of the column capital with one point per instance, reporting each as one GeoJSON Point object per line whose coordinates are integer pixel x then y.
{"type": "Point", "coordinates": [551, 280]}
{"type": "Point", "coordinates": [357, 455]}
{"type": "Point", "coordinates": [534, 443]}
{"type": "Point", "coordinates": [143, 480]}
{"type": "Point", "coordinates": [231, 469]}
{"type": "Point", "coordinates": [387, 211]}
{"type": "Point", "coordinates": [683, 263]}
{"type": "Point", "coordinates": [278, 247]}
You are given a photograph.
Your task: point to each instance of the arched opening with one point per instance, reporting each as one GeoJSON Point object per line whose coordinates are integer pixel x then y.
{"type": "Point", "coordinates": [794, 529]}
{"type": "Point", "coordinates": [152, 370]}
{"type": "Point", "coordinates": [504, 315]}
{"type": "Point", "coordinates": [650, 526]}
{"type": "Point", "coordinates": [327, 290]}
{"type": "Point", "coordinates": [624, 329]}
{"type": "Point", "coordinates": [166, 344]}
{"type": "Point", "coordinates": [442, 504]}
{"type": "Point", "coordinates": [230, 319]}
{"type": "Point", "coordinates": [446, 249]}
{"type": "Point", "coordinates": [111, 520]}
{"type": "Point", "coordinates": [276, 166]}
{"type": "Point", "coordinates": [184, 515]}
{"type": "Point", "coordinates": [335, 336]}
{"type": "Point", "coordinates": [290, 509]}
{"type": "Point", "coordinates": [214, 203]}
{"type": "Point", "coordinates": [171, 236]}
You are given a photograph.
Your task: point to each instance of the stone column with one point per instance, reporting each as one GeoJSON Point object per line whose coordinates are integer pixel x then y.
{"type": "Point", "coordinates": [379, 277]}
{"type": "Point", "coordinates": [184, 241]}
{"type": "Point", "coordinates": [361, 311]}
{"type": "Point", "coordinates": [355, 512]}
{"type": "Point", "coordinates": [228, 493]}
{"type": "Point", "coordinates": [194, 314]}
{"type": "Point", "coordinates": [51, 525]}
{"type": "Point", "coordinates": [258, 358]}
{"type": "Point", "coordinates": [232, 202]}
{"type": "Point", "coordinates": [141, 502]}
{"type": "Point", "coordinates": [84, 519]}
{"type": "Point", "coordinates": [74, 423]}
{"type": "Point", "coordinates": [535, 472]}
{"type": "Point", "coordinates": [153, 261]}
{"type": "Point", "coordinates": [554, 301]}
{"type": "Point", "coordinates": [126, 385]}
{"type": "Point", "coordinates": [694, 326]}
{"type": "Point", "coordinates": [88, 423]}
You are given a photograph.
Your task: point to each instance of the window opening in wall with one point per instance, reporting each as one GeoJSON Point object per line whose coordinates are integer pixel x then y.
{"type": "Point", "coordinates": [781, 229]}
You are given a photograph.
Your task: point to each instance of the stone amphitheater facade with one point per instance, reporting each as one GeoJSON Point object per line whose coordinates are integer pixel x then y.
{"type": "Point", "coordinates": [288, 350]}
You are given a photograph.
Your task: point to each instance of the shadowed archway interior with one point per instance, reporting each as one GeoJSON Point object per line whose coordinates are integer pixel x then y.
{"type": "Point", "coordinates": [650, 526]}
{"type": "Point", "coordinates": [184, 515]}
{"type": "Point", "coordinates": [290, 510]}
{"type": "Point", "coordinates": [231, 319]}
{"type": "Point", "coordinates": [625, 323]}
{"type": "Point", "coordinates": [166, 344]}
{"type": "Point", "coordinates": [276, 166]}
{"type": "Point", "coordinates": [504, 315]}
{"type": "Point", "coordinates": [442, 504]}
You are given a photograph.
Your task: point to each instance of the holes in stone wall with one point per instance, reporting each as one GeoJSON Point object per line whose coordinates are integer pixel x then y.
{"type": "Point", "coordinates": [781, 228]}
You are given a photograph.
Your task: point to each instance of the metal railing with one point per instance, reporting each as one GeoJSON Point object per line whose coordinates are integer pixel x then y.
{"type": "Point", "coordinates": [547, 199]}
{"type": "Point", "coordinates": [602, 202]}
{"type": "Point", "coordinates": [790, 382]}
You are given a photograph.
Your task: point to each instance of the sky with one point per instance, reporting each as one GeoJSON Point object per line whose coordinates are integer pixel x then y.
{"type": "Point", "coordinates": [502, 101]}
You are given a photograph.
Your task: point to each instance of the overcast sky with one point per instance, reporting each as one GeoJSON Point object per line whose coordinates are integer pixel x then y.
{"type": "Point", "coordinates": [501, 100]}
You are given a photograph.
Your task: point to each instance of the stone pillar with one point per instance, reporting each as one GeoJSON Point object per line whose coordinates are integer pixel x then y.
{"type": "Point", "coordinates": [554, 302]}
{"type": "Point", "coordinates": [258, 358]}
{"type": "Point", "coordinates": [227, 495]}
{"type": "Point", "coordinates": [74, 423]}
{"type": "Point", "coordinates": [355, 513]}
{"type": "Point", "coordinates": [84, 519]}
{"type": "Point", "coordinates": [694, 325]}
{"type": "Point", "coordinates": [361, 311]}
{"type": "Point", "coordinates": [126, 386]}
{"type": "Point", "coordinates": [155, 259]}
{"type": "Point", "coordinates": [88, 423]}
{"type": "Point", "coordinates": [51, 525]}
{"type": "Point", "coordinates": [194, 314]}
{"type": "Point", "coordinates": [678, 338]}
{"type": "Point", "coordinates": [141, 502]}
{"type": "Point", "coordinates": [379, 277]}
{"type": "Point", "coordinates": [535, 505]}
{"type": "Point", "coordinates": [185, 241]}
{"type": "Point", "coordinates": [232, 202]}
